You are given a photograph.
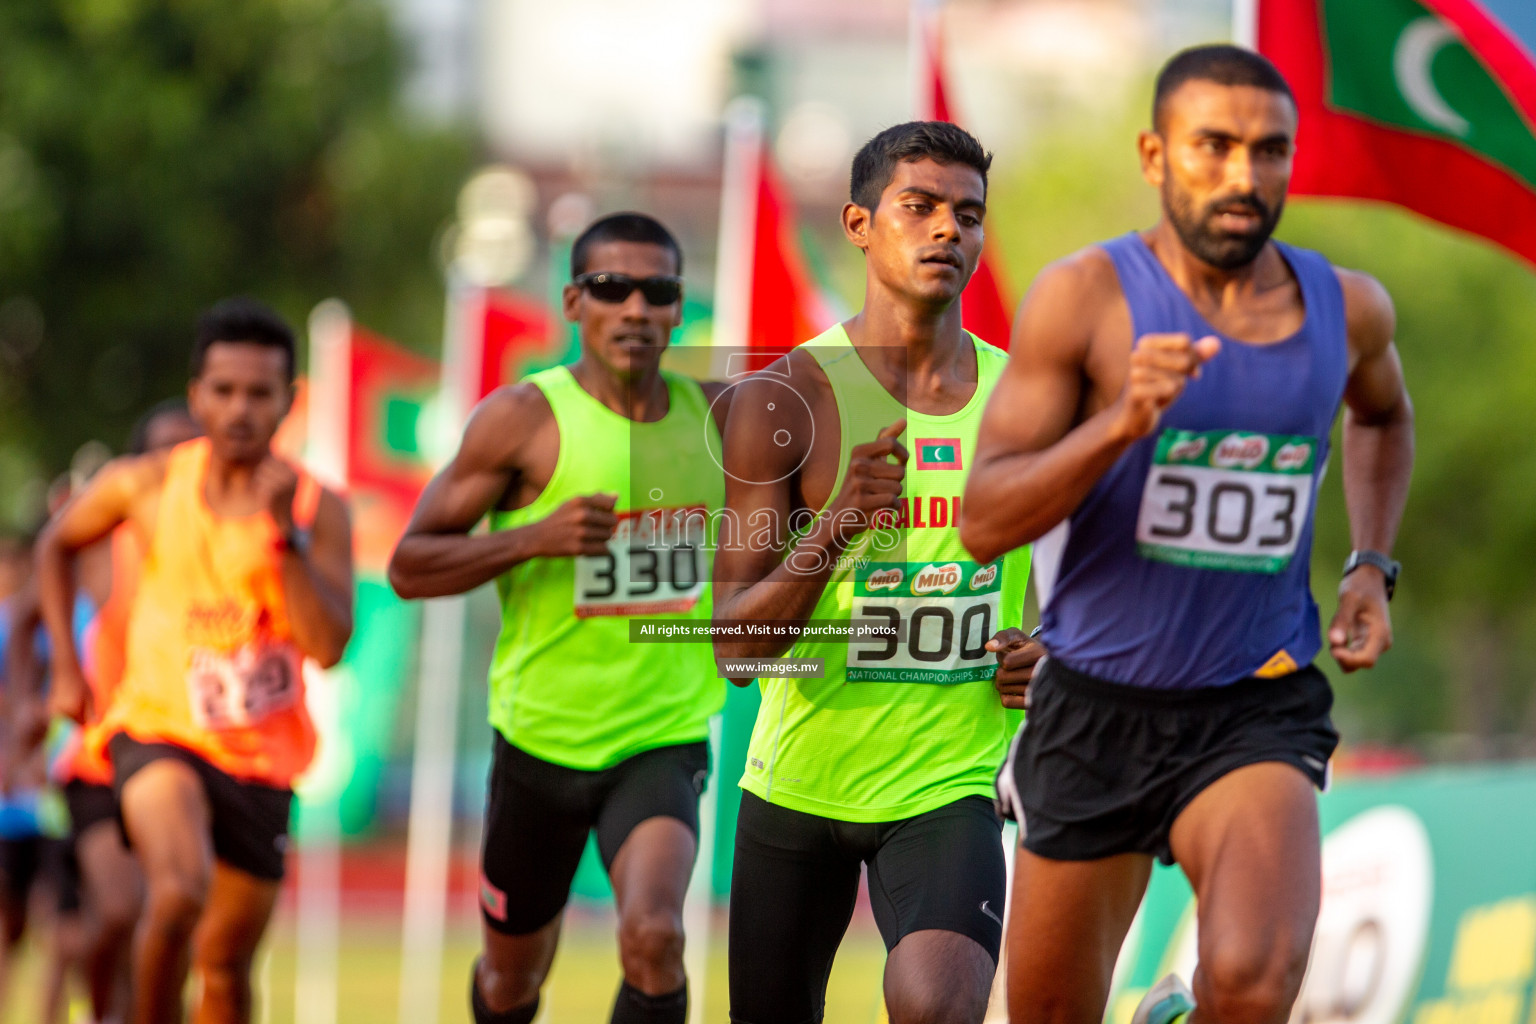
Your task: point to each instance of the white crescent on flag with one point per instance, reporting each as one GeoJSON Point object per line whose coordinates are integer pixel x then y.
{"type": "Point", "coordinates": [1416, 48]}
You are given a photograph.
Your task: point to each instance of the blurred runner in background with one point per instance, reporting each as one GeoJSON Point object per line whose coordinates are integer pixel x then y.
{"type": "Point", "coordinates": [247, 570]}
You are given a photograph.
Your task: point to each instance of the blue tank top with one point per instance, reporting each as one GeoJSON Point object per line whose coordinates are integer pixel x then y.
{"type": "Point", "coordinates": [1187, 564]}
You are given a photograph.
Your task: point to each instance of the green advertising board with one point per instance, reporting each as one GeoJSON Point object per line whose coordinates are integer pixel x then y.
{"type": "Point", "coordinates": [1429, 905]}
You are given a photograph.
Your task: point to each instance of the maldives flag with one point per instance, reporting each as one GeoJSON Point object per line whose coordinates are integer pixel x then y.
{"type": "Point", "coordinates": [1429, 104]}
{"type": "Point", "coordinates": [388, 389]}
{"type": "Point", "coordinates": [510, 332]}
{"type": "Point", "coordinates": [985, 307]}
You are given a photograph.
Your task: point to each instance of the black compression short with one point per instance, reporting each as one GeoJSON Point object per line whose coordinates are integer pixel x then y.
{"type": "Point", "coordinates": [796, 878]}
{"type": "Point", "coordinates": [250, 820]}
{"type": "Point", "coordinates": [1102, 768]}
{"type": "Point", "coordinates": [538, 814]}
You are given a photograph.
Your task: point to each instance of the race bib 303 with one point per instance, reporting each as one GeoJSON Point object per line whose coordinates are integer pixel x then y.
{"type": "Point", "coordinates": [1226, 499]}
{"type": "Point", "coordinates": [943, 614]}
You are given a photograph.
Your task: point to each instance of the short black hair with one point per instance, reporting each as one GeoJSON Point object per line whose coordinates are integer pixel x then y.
{"type": "Point", "coordinates": [245, 320]}
{"type": "Point", "coordinates": [138, 438]}
{"type": "Point", "coordinates": [875, 163]}
{"type": "Point", "coordinates": [623, 227]}
{"type": "Point", "coordinates": [1221, 63]}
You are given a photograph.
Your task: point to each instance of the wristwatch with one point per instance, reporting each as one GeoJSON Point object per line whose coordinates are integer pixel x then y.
{"type": "Point", "coordinates": [1388, 567]}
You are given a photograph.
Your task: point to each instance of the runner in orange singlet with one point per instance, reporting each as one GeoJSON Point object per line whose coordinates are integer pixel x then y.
{"type": "Point", "coordinates": [247, 571]}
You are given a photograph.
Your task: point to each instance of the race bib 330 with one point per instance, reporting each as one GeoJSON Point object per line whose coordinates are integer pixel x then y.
{"type": "Point", "coordinates": [655, 564]}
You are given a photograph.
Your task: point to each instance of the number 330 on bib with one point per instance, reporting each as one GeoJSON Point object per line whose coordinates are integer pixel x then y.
{"type": "Point", "coordinates": [1226, 499]}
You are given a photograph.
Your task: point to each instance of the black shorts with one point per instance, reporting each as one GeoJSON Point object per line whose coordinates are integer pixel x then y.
{"type": "Point", "coordinates": [538, 814]}
{"type": "Point", "coordinates": [796, 878]}
{"type": "Point", "coordinates": [250, 820]}
{"type": "Point", "coordinates": [90, 804]}
{"type": "Point", "coordinates": [29, 861]}
{"type": "Point", "coordinates": [1102, 768]}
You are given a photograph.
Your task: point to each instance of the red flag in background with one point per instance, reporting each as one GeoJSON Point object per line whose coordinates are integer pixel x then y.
{"type": "Point", "coordinates": [514, 331]}
{"type": "Point", "coordinates": [1428, 104]}
{"type": "Point", "coordinates": [765, 297]}
{"type": "Point", "coordinates": [986, 306]}
{"type": "Point", "coordinates": [388, 388]}
{"type": "Point", "coordinates": [786, 307]}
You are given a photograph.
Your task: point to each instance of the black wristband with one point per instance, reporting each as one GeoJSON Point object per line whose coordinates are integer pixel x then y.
{"type": "Point", "coordinates": [1389, 568]}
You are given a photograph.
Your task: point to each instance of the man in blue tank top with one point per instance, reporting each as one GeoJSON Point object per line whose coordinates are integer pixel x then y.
{"type": "Point", "coordinates": [1168, 402]}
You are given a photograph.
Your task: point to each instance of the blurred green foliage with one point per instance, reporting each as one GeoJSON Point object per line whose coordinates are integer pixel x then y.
{"type": "Point", "coordinates": [156, 155]}
{"type": "Point", "coordinates": [1465, 614]}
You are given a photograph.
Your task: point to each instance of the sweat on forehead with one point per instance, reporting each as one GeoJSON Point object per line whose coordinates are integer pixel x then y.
{"type": "Point", "coordinates": [1221, 64]}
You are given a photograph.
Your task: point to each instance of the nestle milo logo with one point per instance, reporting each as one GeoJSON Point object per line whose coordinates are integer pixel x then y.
{"type": "Point", "coordinates": [1187, 450]}
{"type": "Point", "coordinates": [1238, 450]}
{"type": "Point", "coordinates": [1294, 455]}
{"type": "Point", "coordinates": [936, 579]}
{"type": "Point", "coordinates": [984, 576]}
{"type": "Point", "coordinates": [885, 579]}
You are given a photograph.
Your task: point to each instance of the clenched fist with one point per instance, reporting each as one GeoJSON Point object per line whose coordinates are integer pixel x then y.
{"type": "Point", "coordinates": [1161, 366]}
{"type": "Point", "coordinates": [872, 484]}
{"type": "Point", "coordinates": [580, 526]}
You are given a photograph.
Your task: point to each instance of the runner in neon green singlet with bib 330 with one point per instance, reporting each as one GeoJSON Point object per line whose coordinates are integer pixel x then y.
{"type": "Point", "coordinates": [598, 484]}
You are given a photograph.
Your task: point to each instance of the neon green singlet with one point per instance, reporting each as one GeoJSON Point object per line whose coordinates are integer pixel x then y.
{"type": "Point", "coordinates": [897, 727]}
{"type": "Point", "coordinates": [566, 684]}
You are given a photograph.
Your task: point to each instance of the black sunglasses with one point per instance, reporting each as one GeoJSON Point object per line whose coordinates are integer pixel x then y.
{"type": "Point", "coordinates": [658, 291]}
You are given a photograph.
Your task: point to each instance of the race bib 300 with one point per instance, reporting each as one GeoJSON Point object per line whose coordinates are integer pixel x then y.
{"type": "Point", "coordinates": [655, 564]}
{"type": "Point", "coordinates": [1226, 499]}
{"type": "Point", "coordinates": [943, 614]}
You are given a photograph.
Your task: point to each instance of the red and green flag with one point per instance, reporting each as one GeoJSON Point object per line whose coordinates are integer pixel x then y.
{"type": "Point", "coordinates": [388, 388]}
{"type": "Point", "coordinates": [1429, 104]}
{"type": "Point", "coordinates": [516, 334]}
{"type": "Point", "coordinates": [985, 307]}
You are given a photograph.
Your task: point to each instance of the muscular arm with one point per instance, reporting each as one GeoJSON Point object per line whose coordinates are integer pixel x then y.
{"type": "Point", "coordinates": [107, 501]}
{"type": "Point", "coordinates": [1378, 461]}
{"type": "Point", "coordinates": [750, 578]}
{"type": "Point", "coordinates": [438, 556]}
{"type": "Point", "coordinates": [1033, 465]}
{"type": "Point", "coordinates": [753, 578]}
{"type": "Point", "coordinates": [1378, 418]}
{"type": "Point", "coordinates": [317, 585]}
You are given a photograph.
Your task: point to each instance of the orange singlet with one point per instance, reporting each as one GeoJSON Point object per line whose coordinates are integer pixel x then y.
{"type": "Point", "coordinates": [211, 662]}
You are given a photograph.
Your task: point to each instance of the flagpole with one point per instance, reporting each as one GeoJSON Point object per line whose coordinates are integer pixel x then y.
{"type": "Point", "coordinates": [430, 826]}
{"type": "Point", "coordinates": [1245, 23]}
{"type": "Point", "coordinates": [921, 15]}
{"type": "Point", "coordinates": [318, 924]}
{"type": "Point", "coordinates": [739, 174]}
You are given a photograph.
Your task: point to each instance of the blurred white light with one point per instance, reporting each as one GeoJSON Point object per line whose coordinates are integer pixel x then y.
{"type": "Point", "coordinates": [814, 144]}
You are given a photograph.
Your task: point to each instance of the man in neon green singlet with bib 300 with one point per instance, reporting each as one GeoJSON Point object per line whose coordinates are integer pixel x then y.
{"type": "Point", "coordinates": [856, 445]}
{"type": "Point", "coordinates": [598, 485]}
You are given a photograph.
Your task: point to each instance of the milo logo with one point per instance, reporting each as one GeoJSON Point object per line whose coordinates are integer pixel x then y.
{"type": "Point", "coordinates": [1187, 450]}
{"type": "Point", "coordinates": [1293, 456]}
{"type": "Point", "coordinates": [984, 576]}
{"type": "Point", "coordinates": [936, 579]}
{"type": "Point", "coordinates": [1237, 450]}
{"type": "Point", "coordinates": [885, 579]}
